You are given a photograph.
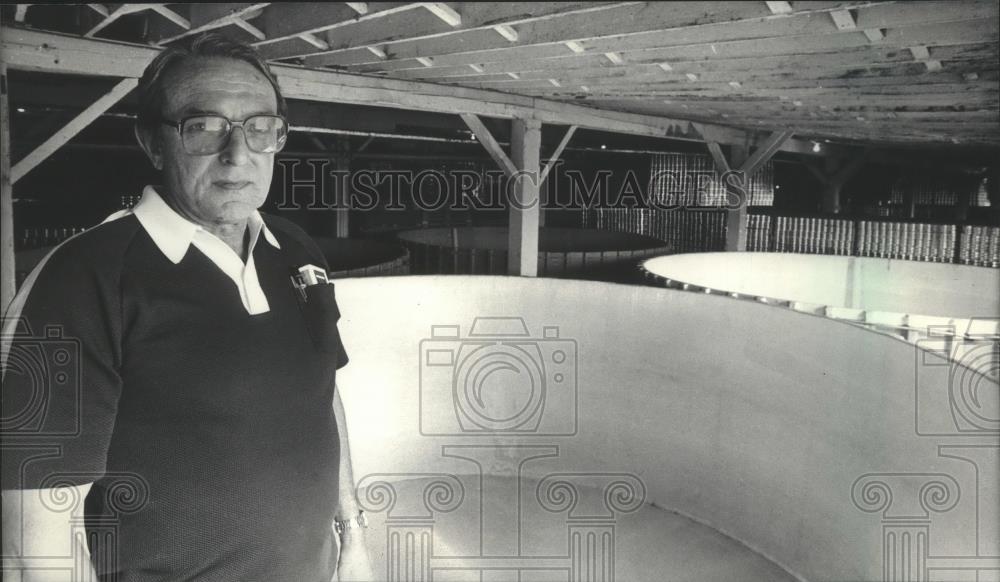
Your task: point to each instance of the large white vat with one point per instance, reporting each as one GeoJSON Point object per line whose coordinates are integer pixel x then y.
{"type": "Point", "coordinates": [838, 453]}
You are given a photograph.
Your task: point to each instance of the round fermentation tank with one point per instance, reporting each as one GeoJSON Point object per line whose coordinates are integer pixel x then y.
{"type": "Point", "coordinates": [467, 250]}
{"type": "Point", "coordinates": [646, 433]}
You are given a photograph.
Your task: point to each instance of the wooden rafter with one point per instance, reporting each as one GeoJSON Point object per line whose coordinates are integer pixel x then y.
{"type": "Point", "coordinates": [493, 148]}
{"type": "Point", "coordinates": [765, 152]}
{"type": "Point", "coordinates": [634, 27]}
{"type": "Point", "coordinates": [475, 17]}
{"type": "Point", "coordinates": [121, 10]}
{"type": "Point", "coordinates": [40, 51]}
{"type": "Point", "coordinates": [172, 16]}
{"type": "Point", "coordinates": [281, 25]}
{"type": "Point", "coordinates": [72, 128]}
{"type": "Point", "coordinates": [445, 12]}
{"type": "Point", "coordinates": [251, 29]}
{"type": "Point", "coordinates": [100, 9]}
{"type": "Point", "coordinates": [554, 158]}
{"type": "Point", "coordinates": [206, 17]}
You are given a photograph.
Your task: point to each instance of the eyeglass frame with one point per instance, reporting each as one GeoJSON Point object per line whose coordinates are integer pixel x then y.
{"type": "Point", "coordinates": [179, 125]}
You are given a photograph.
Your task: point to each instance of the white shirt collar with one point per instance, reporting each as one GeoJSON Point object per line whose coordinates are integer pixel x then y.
{"type": "Point", "coordinates": [173, 233]}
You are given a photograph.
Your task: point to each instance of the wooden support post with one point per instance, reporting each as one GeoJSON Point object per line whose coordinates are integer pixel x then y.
{"type": "Point", "coordinates": [72, 128]}
{"type": "Point", "coordinates": [736, 218]}
{"type": "Point", "coordinates": [342, 165]}
{"type": "Point", "coordinates": [832, 198]}
{"type": "Point", "coordinates": [7, 283]}
{"type": "Point", "coordinates": [522, 242]}
{"type": "Point", "coordinates": [969, 189]}
{"type": "Point", "coordinates": [834, 177]}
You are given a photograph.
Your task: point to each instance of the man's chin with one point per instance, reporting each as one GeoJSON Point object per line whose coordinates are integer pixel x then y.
{"type": "Point", "coordinates": [238, 210]}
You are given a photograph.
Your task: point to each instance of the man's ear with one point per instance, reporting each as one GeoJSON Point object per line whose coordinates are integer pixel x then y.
{"type": "Point", "coordinates": [150, 143]}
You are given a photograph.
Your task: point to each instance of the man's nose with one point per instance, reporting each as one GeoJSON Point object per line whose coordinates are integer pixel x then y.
{"type": "Point", "coordinates": [236, 152]}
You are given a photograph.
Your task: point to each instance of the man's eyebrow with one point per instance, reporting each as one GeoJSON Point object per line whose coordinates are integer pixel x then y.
{"type": "Point", "coordinates": [198, 111]}
{"type": "Point", "coordinates": [189, 111]}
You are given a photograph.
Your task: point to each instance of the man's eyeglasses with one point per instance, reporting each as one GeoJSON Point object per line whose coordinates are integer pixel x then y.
{"type": "Point", "coordinates": [204, 135]}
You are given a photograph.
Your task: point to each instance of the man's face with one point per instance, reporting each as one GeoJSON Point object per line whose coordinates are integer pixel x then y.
{"type": "Point", "coordinates": [229, 186]}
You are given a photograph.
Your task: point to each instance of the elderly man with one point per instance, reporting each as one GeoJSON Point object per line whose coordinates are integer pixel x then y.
{"type": "Point", "coordinates": [188, 351]}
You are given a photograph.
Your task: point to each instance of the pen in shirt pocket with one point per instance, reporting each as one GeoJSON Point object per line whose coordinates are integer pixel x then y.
{"type": "Point", "coordinates": [306, 276]}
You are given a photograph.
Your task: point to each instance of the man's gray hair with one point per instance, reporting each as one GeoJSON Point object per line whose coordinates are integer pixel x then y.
{"type": "Point", "coordinates": [151, 90]}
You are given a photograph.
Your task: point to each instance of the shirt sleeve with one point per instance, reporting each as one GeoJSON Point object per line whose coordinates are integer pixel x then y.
{"type": "Point", "coordinates": [61, 383]}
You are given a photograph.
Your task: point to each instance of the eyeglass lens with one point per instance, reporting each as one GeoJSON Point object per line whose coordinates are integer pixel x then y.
{"type": "Point", "coordinates": [209, 134]}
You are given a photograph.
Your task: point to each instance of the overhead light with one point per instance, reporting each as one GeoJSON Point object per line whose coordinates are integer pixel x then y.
{"type": "Point", "coordinates": [604, 147]}
{"type": "Point", "coordinates": [816, 147]}
{"type": "Point", "coordinates": [21, 109]}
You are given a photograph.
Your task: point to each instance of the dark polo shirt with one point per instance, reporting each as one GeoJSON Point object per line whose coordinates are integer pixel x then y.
{"type": "Point", "coordinates": [208, 432]}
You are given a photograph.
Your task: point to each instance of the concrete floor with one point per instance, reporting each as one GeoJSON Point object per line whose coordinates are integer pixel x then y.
{"type": "Point", "coordinates": [478, 538]}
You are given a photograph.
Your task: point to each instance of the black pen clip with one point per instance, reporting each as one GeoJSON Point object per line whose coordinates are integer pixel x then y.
{"type": "Point", "coordinates": [300, 285]}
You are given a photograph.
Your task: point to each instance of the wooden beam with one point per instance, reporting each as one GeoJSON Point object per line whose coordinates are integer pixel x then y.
{"type": "Point", "coordinates": [525, 210]}
{"type": "Point", "coordinates": [72, 128]}
{"type": "Point", "coordinates": [122, 10]}
{"type": "Point", "coordinates": [475, 16]}
{"type": "Point", "coordinates": [736, 218]}
{"type": "Point", "coordinates": [818, 172]}
{"type": "Point", "coordinates": [844, 20]}
{"type": "Point", "coordinates": [446, 13]}
{"type": "Point", "coordinates": [172, 16]}
{"type": "Point", "coordinates": [211, 16]}
{"type": "Point", "coordinates": [54, 53]}
{"type": "Point", "coordinates": [779, 7]}
{"type": "Point", "coordinates": [826, 47]}
{"type": "Point", "coordinates": [555, 154]}
{"type": "Point", "coordinates": [100, 9]}
{"type": "Point", "coordinates": [314, 40]}
{"type": "Point", "coordinates": [281, 25]}
{"type": "Point", "coordinates": [251, 29]}
{"type": "Point", "coordinates": [486, 138]}
{"type": "Point", "coordinates": [874, 34]}
{"type": "Point", "coordinates": [7, 271]}
{"type": "Point", "coordinates": [719, 158]}
{"type": "Point", "coordinates": [342, 163]}
{"type": "Point", "coordinates": [765, 152]}
{"type": "Point", "coordinates": [646, 68]}
{"type": "Point", "coordinates": [507, 31]}
{"type": "Point", "coordinates": [359, 7]}
{"type": "Point", "coordinates": [851, 168]}
{"type": "Point", "coordinates": [631, 27]}
{"type": "Point", "coordinates": [368, 141]}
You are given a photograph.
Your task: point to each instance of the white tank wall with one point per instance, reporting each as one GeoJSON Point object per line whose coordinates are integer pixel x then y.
{"type": "Point", "coordinates": [755, 420]}
{"type": "Point", "coordinates": [938, 289]}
